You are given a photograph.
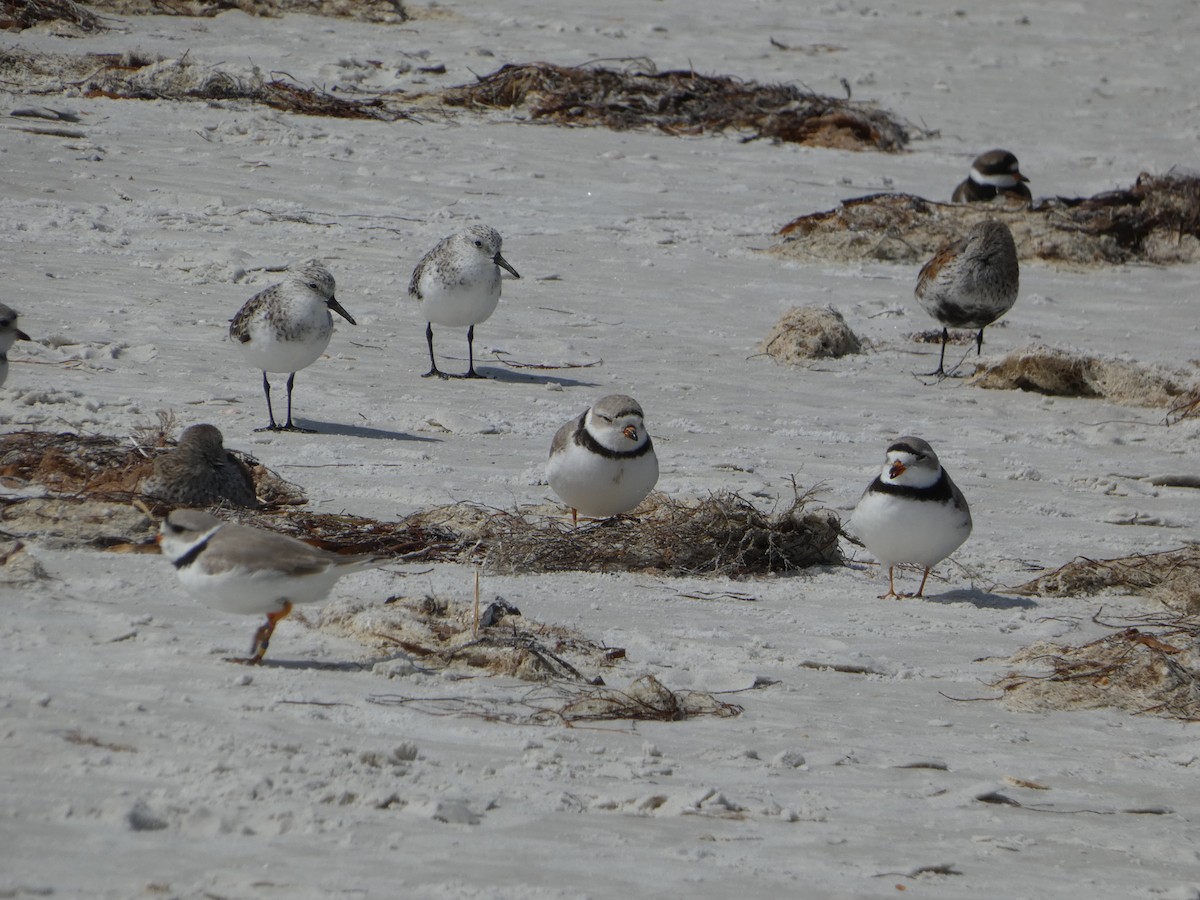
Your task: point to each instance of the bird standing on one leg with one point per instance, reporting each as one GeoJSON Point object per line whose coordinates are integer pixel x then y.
{"type": "Point", "coordinates": [239, 569]}
{"type": "Point", "coordinates": [457, 284]}
{"type": "Point", "coordinates": [286, 328]}
{"type": "Point", "coordinates": [970, 282]}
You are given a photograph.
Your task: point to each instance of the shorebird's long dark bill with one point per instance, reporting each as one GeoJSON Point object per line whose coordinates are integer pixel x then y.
{"type": "Point", "coordinates": [503, 263]}
{"type": "Point", "coordinates": [337, 308]}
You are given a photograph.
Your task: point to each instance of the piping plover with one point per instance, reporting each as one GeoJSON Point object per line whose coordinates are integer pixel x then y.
{"type": "Point", "coordinates": [9, 334]}
{"type": "Point", "coordinates": [994, 174]}
{"type": "Point", "coordinates": [602, 462]}
{"type": "Point", "coordinates": [970, 282]}
{"type": "Point", "coordinates": [199, 471]}
{"type": "Point", "coordinates": [912, 512]}
{"type": "Point", "coordinates": [239, 569]}
{"type": "Point", "coordinates": [457, 284]}
{"type": "Point", "coordinates": [287, 327]}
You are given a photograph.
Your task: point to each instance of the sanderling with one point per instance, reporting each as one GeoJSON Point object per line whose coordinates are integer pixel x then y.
{"type": "Point", "coordinates": [994, 174]}
{"type": "Point", "coordinates": [9, 334]}
{"type": "Point", "coordinates": [239, 569]}
{"type": "Point", "coordinates": [199, 471]}
{"type": "Point", "coordinates": [912, 512]}
{"type": "Point", "coordinates": [602, 462]}
{"type": "Point", "coordinates": [457, 284]}
{"type": "Point", "coordinates": [970, 282]}
{"type": "Point", "coordinates": [287, 327]}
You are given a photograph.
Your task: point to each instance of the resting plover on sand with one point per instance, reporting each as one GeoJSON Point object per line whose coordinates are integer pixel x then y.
{"type": "Point", "coordinates": [602, 462]}
{"type": "Point", "coordinates": [9, 334]}
{"type": "Point", "coordinates": [994, 174]}
{"type": "Point", "coordinates": [287, 327]}
{"type": "Point", "coordinates": [912, 512]}
{"type": "Point", "coordinates": [970, 282]}
{"type": "Point", "coordinates": [457, 284]}
{"type": "Point", "coordinates": [199, 471]}
{"type": "Point", "coordinates": [239, 569]}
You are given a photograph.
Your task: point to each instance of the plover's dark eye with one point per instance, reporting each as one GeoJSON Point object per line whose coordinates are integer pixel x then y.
{"type": "Point", "coordinates": [312, 285]}
{"type": "Point", "coordinates": [478, 243]}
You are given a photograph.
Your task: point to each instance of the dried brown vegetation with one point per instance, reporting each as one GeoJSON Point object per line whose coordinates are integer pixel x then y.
{"type": "Point", "coordinates": [723, 534]}
{"type": "Point", "coordinates": [678, 102]}
{"type": "Point", "coordinates": [17, 15]}
{"type": "Point", "coordinates": [1156, 220]}
{"type": "Point", "coordinates": [133, 76]}
{"type": "Point", "coordinates": [1059, 373]}
{"type": "Point", "coordinates": [21, 14]}
{"type": "Point", "coordinates": [806, 333]}
{"type": "Point", "coordinates": [102, 467]}
{"type": "Point", "coordinates": [1147, 665]}
{"type": "Point", "coordinates": [1172, 577]}
{"type": "Point", "coordinates": [434, 634]}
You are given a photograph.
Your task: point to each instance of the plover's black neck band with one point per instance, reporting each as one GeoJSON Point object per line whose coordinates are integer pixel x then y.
{"type": "Point", "coordinates": [941, 490]}
{"type": "Point", "coordinates": [190, 557]}
{"type": "Point", "coordinates": [584, 438]}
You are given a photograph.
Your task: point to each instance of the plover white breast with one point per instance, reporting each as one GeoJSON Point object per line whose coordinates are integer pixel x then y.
{"type": "Point", "coordinates": [912, 512]}
{"type": "Point", "coordinates": [602, 463]}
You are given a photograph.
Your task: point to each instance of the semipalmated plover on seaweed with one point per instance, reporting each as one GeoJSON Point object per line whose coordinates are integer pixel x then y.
{"type": "Point", "coordinates": [9, 334]}
{"type": "Point", "coordinates": [287, 327]}
{"type": "Point", "coordinates": [970, 282]}
{"type": "Point", "coordinates": [602, 462]}
{"type": "Point", "coordinates": [457, 284]}
{"type": "Point", "coordinates": [912, 512]}
{"type": "Point", "coordinates": [199, 471]}
{"type": "Point", "coordinates": [239, 569]}
{"type": "Point", "coordinates": [994, 174]}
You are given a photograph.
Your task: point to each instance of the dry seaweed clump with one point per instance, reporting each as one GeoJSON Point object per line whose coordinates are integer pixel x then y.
{"type": "Point", "coordinates": [17, 15]}
{"type": "Point", "coordinates": [565, 703]}
{"type": "Point", "coordinates": [679, 102]}
{"type": "Point", "coordinates": [74, 468]}
{"type": "Point", "coordinates": [132, 76]}
{"type": "Point", "coordinates": [1171, 577]}
{"type": "Point", "coordinates": [1059, 373]}
{"type": "Point", "coordinates": [1148, 666]}
{"type": "Point", "coordinates": [384, 12]}
{"type": "Point", "coordinates": [810, 332]}
{"type": "Point", "coordinates": [1156, 220]}
{"type": "Point", "coordinates": [437, 634]}
{"type": "Point", "coordinates": [723, 534]}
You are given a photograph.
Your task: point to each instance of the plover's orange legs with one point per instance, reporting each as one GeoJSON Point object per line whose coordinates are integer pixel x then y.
{"type": "Point", "coordinates": [262, 637]}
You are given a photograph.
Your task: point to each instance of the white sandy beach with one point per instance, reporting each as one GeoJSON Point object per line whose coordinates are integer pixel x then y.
{"type": "Point", "coordinates": [134, 762]}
